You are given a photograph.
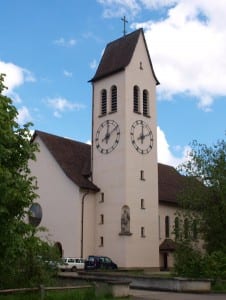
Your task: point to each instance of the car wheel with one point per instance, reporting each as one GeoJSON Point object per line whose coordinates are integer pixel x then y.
{"type": "Point", "coordinates": [73, 269]}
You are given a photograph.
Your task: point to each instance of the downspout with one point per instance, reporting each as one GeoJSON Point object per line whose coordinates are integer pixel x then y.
{"type": "Point", "coordinates": [82, 221]}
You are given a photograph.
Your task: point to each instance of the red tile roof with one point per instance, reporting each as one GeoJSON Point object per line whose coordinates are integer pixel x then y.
{"type": "Point", "coordinates": [171, 183]}
{"type": "Point", "coordinates": [73, 157]}
{"type": "Point", "coordinates": [167, 245]}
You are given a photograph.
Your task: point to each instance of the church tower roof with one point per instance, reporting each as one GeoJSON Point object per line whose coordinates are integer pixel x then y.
{"type": "Point", "coordinates": [118, 54]}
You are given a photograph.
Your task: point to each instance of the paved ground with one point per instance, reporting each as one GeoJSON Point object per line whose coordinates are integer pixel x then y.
{"type": "Point", "coordinates": [154, 295]}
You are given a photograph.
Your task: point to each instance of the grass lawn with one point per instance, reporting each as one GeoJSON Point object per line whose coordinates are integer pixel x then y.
{"type": "Point", "coordinates": [85, 294]}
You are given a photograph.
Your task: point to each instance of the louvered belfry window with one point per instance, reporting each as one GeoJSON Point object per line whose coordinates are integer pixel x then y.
{"type": "Point", "coordinates": [145, 103]}
{"type": "Point", "coordinates": [103, 102]}
{"type": "Point", "coordinates": [136, 100]}
{"type": "Point", "coordinates": [114, 98]}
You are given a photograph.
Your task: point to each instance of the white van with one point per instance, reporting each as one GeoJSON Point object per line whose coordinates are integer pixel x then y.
{"type": "Point", "coordinates": [72, 264]}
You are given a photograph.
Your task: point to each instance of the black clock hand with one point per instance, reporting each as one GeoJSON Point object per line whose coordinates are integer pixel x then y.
{"type": "Point", "coordinates": [112, 130]}
{"type": "Point", "coordinates": [142, 136]}
{"type": "Point", "coordinates": [107, 135]}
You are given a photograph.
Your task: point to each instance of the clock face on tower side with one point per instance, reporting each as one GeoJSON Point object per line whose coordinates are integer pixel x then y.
{"type": "Point", "coordinates": [107, 136]}
{"type": "Point", "coordinates": [141, 137]}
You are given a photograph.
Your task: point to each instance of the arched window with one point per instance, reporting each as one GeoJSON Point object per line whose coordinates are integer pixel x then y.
{"type": "Point", "coordinates": [103, 102]}
{"type": "Point", "coordinates": [176, 228]}
{"type": "Point", "coordinates": [114, 98]}
{"type": "Point", "coordinates": [136, 99]}
{"type": "Point", "coordinates": [59, 248]}
{"type": "Point", "coordinates": [194, 229]}
{"type": "Point", "coordinates": [186, 228]}
{"type": "Point", "coordinates": [145, 103]}
{"type": "Point", "coordinates": [167, 226]}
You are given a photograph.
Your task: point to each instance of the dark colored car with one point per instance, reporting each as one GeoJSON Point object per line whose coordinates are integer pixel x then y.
{"type": "Point", "coordinates": [99, 262]}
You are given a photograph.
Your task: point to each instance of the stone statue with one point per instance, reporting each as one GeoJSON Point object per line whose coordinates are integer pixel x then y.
{"type": "Point", "coordinates": [125, 220]}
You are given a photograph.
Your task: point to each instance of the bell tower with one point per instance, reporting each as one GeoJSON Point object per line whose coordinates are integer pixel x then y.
{"type": "Point", "coordinates": [124, 154]}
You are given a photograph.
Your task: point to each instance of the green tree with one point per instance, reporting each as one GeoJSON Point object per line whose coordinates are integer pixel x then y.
{"type": "Point", "coordinates": [17, 191]}
{"type": "Point", "coordinates": [202, 210]}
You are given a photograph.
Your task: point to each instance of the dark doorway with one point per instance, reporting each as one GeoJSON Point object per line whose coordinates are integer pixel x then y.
{"type": "Point", "coordinates": [165, 261]}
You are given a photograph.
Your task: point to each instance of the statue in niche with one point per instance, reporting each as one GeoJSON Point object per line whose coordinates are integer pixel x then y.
{"type": "Point", "coordinates": [125, 220]}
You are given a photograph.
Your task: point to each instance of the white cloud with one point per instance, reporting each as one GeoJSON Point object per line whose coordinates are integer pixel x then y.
{"type": "Point", "coordinates": [155, 4]}
{"type": "Point", "coordinates": [15, 77]}
{"type": "Point", "coordinates": [67, 73]}
{"type": "Point", "coordinates": [65, 43]}
{"type": "Point", "coordinates": [23, 115]}
{"type": "Point", "coordinates": [93, 64]}
{"type": "Point", "coordinates": [61, 105]}
{"type": "Point", "coordinates": [165, 155]}
{"type": "Point", "coordinates": [119, 8]}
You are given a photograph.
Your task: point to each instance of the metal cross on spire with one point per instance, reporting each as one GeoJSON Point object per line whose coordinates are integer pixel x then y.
{"type": "Point", "coordinates": [124, 25]}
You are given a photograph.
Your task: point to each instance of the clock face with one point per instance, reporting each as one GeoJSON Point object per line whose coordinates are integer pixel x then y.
{"type": "Point", "coordinates": [141, 137]}
{"type": "Point", "coordinates": [107, 136]}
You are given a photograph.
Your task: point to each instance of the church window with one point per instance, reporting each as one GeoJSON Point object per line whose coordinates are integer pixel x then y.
{"type": "Point", "coordinates": [141, 65]}
{"type": "Point", "coordinates": [101, 219]}
{"type": "Point", "coordinates": [35, 214]}
{"type": "Point", "coordinates": [142, 175]}
{"type": "Point", "coordinates": [194, 230]}
{"type": "Point", "coordinates": [101, 241]}
{"type": "Point", "coordinates": [186, 228]}
{"type": "Point", "coordinates": [142, 204]}
{"type": "Point", "coordinates": [167, 226]}
{"type": "Point", "coordinates": [59, 249]}
{"type": "Point", "coordinates": [176, 228]}
{"type": "Point", "coordinates": [142, 231]}
{"type": "Point", "coordinates": [145, 103]}
{"type": "Point", "coordinates": [103, 102]}
{"type": "Point", "coordinates": [136, 99]}
{"type": "Point", "coordinates": [114, 98]}
{"type": "Point", "coordinates": [101, 197]}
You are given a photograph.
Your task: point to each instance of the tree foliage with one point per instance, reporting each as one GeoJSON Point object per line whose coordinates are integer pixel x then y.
{"type": "Point", "coordinates": [203, 203]}
{"type": "Point", "coordinates": [17, 192]}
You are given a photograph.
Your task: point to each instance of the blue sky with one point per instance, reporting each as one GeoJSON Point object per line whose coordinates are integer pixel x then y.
{"type": "Point", "coordinates": [49, 49]}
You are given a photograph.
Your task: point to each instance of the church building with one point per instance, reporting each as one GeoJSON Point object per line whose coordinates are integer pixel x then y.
{"type": "Point", "coordinates": [111, 198]}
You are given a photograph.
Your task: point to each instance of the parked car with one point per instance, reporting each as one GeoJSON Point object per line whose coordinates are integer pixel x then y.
{"type": "Point", "coordinates": [99, 262]}
{"type": "Point", "coordinates": [72, 264]}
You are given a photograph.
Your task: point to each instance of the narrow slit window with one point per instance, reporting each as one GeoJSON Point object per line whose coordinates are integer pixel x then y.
{"type": "Point", "coordinates": [101, 241]}
{"type": "Point", "coordinates": [142, 175]}
{"type": "Point", "coordinates": [101, 219]}
{"type": "Point", "coordinates": [142, 204]}
{"type": "Point", "coordinates": [142, 231]}
{"type": "Point", "coordinates": [102, 197]}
